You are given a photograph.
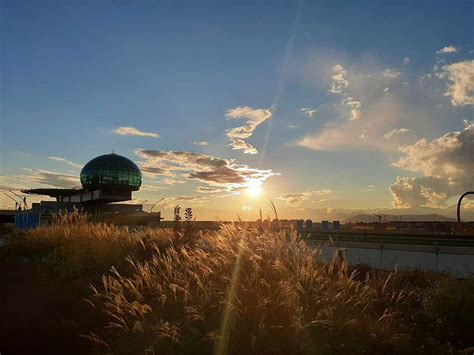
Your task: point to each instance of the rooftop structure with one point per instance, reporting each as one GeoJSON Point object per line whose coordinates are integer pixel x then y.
{"type": "Point", "coordinates": [105, 179]}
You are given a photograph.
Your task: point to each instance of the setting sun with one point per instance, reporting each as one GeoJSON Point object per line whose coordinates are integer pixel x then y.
{"type": "Point", "coordinates": [254, 188]}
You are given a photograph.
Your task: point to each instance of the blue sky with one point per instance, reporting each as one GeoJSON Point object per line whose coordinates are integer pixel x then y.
{"type": "Point", "coordinates": [73, 72]}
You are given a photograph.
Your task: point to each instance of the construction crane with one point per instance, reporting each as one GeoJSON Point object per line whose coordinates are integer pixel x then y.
{"type": "Point", "coordinates": [25, 205]}
{"type": "Point", "coordinates": [378, 216]}
{"type": "Point", "coordinates": [11, 198]}
{"type": "Point", "coordinates": [161, 199]}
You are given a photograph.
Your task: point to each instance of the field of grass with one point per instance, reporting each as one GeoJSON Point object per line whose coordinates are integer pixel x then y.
{"type": "Point", "coordinates": [78, 287]}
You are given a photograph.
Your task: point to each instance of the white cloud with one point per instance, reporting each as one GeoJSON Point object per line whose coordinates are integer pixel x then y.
{"type": "Point", "coordinates": [372, 113]}
{"type": "Point", "coordinates": [23, 154]}
{"type": "Point", "coordinates": [63, 160]}
{"type": "Point", "coordinates": [292, 126]}
{"type": "Point", "coordinates": [201, 143]}
{"type": "Point", "coordinates": [468, 123]}
{"type": "Point", "coordinates": [391, 73]}
{"type": "Point", "coordinates": [339, 81]}
{"type": "Point", "coordinates": [395, 132]}
{"type": "Point", "coordinates": [354, 107]}
{"type": "Point", "coordinates": [309, 111]}
{"type": "Point", "coordinates": [406, 61]}
{"type": "Point", "coordinates": [237, 135]}
{"type": "Point", "coordinates": [447, 50]}
{"type": "Point", "coordinates": [338, 86]}
{"type": "Point", "coordinates": [132, 131]}
{"type": "Point", "coordinates": [461, 86]}
{"type": "Point", "coordinates": [446, 164]}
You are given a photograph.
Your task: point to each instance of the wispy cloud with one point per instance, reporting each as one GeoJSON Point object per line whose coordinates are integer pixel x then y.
{"type": "Point", "coordinates": [152, 188]}
{"type": "Point", "coordinates": [339, 85]}
{"type": "Point", "coordinates": [322, 192]}
{"type": "Point", "coordinates": [201, 143]}
{"type": "Point", "coordinates": [391, 73]}
{"type": "Point", "coordinates": [447, 50]}
{"type": "Point", "coordinates": [23, 154]}
{"type": "Point", "coordinates": [254, 118]}
{"type": "Point", "coordinates": [40, 177]}
{"type": "Point", "coordinates": [297, 198]}
{"type": "Point", "coordinates": [309, 111]}
{"type": "Point", "coordinates": [132, 131]}
{"type": "Point", "coordinates": [64, 160]}
{"type": "Point", "coordinates": [395, 132]}
{"type": "Point", "coordinates": [369, 188]}
{"type": "Point", "coordinates": [189, 198]}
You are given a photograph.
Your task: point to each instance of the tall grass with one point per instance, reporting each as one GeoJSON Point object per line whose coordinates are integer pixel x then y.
{"type": "Point", "coordinates": [71, 246]}
{"type": "Point", "coordinates": [237, 291]}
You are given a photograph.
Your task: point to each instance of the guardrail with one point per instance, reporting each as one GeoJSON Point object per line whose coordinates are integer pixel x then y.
{"type": "Point", "coordinates": [424, 240]}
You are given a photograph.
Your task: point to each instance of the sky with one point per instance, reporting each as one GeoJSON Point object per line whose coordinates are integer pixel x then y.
{"type": "Point", "coordinates": [226, 105]}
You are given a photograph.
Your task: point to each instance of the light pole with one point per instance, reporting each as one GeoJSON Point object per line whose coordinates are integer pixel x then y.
{"type": "Point", "coordinates": [151, 209]}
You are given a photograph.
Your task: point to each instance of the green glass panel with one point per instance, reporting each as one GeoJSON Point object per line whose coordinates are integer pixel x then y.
{"type": "Point", "coordinates": [111, 171]}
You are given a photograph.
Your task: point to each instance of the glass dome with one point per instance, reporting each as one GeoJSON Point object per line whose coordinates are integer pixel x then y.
{"type": "Point", "coordinates": [111, 171]}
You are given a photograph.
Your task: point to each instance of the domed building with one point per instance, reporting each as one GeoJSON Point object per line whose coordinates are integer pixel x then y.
{"type": "Point", "coordinates": [106, 180]}
{"type": "Point", "coordinates": [111, 171]}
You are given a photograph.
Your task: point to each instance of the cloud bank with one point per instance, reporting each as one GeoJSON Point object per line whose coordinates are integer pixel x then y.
{"type": "Point", "coordinates": [447, 166]}
{"type": "Point", "coordinates": [211, 170]}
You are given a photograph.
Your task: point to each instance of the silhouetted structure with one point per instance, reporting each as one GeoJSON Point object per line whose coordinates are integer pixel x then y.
{"type": "Point", "coordinates": [460, 202]}
{"type": "Point", "coordinates": [105, 180]}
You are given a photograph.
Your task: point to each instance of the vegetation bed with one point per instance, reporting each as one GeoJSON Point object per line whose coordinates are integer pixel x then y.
{"type": "Point", "coordinates": [79, 287]}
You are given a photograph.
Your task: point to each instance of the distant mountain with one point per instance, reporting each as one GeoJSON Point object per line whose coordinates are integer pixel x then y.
{"type": "Point", "coordinates": [366, 218]}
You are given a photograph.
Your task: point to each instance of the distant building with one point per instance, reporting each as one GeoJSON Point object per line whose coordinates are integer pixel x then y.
{"type": "Point", "coordinates": [106, 180]}
{"type": "Point", "coordinates": [325, 226]}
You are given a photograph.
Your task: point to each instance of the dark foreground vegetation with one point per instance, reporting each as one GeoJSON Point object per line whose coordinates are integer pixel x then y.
{"type": "Point", "coordinates": [77, 287]}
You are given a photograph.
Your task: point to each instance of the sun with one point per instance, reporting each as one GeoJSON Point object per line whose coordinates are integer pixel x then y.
{"type": "Point", "coordinates": [254, 187]}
